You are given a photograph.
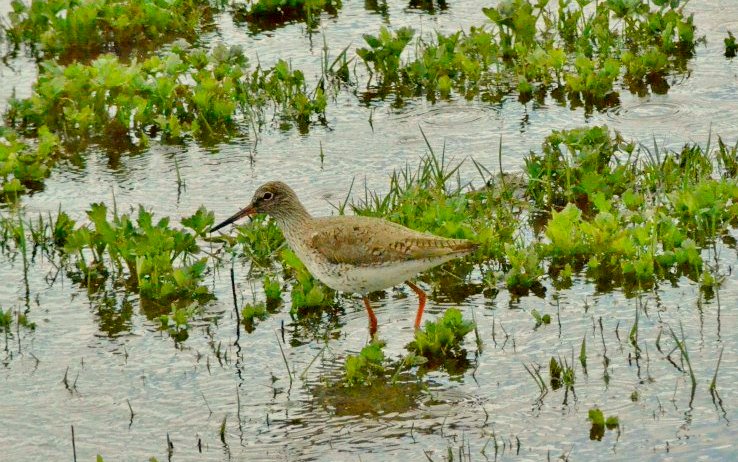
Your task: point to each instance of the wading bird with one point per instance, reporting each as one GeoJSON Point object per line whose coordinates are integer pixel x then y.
{"type": "Point", "coordinates": [353, 254]}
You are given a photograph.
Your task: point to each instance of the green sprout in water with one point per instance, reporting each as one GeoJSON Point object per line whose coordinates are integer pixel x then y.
{"type": "Point", "coordinates": [442, 340]}
{"type": "Point", "coordinates": [540, 319]}
{"type": "Point", "coordinates": [366, 367]}
{"type": "Point", "coordinates": [599, 423]}
{"type": "Point", "coordinates": [731, 47]}
{"type": "Point", "coordinates": [251, 313]}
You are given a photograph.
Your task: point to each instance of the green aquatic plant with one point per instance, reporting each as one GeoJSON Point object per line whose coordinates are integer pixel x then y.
{"type": "Point", "coordinates": [576, 50]}
{"type": "Point", "coordinates": [272, 291]}
{"type": "Point", "coordinates": [366, 367]}
{"type": "Point", "coordinates": [269, 14]}
{"type": "Point", "coordinates": [575, 164]}
{"type": "Point", "coordinates": [183, 92]}
{"type": "Point", "coordinates": [160, 261]}
{"type": "Point", "coordinates": [540, 319]}
{"type": "Point", "coordinates": [525, 269]}
{"type": "Point", "coordinates": [72, 29]}
{"type": "Point", "coordinates": [259, 241]}
{"type": "Point", "coordinates": [442, 340]}
{"type": "Point", "coordinates": [177, 322]}
{"type": "Point", "coordinates": [599, 423]}
{"type": "Point", "coordinates": [562, 374]}
{"type": "Point", "coordinates": [383, 55]}
{"type": "Point", "coordinates": [307, 292]}
{"type": "Point", "coordinates": [24, 165]}
{"type": "Point", "coordinates": [6, 322]}
{"type": "Point", "coordinates": [731, 47]}
{"type": "Point", "coordinates": [251, 313]}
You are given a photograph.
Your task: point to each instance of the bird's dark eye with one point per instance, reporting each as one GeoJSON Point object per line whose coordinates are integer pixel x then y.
{"type": "Point", "coordinates": [267, 196]}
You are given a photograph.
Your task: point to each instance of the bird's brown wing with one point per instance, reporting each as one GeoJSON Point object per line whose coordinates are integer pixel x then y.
{"type": "Point", "coordinates": [365, 241]}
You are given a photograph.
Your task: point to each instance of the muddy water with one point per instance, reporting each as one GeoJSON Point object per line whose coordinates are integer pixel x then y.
{"type": "Point", "coordinates": [112, 353]}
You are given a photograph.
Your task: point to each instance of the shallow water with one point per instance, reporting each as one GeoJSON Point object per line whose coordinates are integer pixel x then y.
{"type": "Point", "coordinates": [113, 353]}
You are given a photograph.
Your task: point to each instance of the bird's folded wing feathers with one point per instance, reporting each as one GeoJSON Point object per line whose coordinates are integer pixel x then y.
{"type": "Point", "coordinates": [372, 243]}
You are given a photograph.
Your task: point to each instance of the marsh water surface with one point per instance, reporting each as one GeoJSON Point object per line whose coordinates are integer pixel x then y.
{"type": "Point", "coordinates": [90, 357]}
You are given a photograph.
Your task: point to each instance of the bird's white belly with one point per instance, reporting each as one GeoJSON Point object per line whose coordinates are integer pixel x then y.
{"type": "Point", "coordinates": [365, 279]}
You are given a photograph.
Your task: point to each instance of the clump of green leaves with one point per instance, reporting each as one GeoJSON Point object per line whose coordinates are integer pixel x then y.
{"type": "Point", "coordinates": [185, 91]}
{"type": "Point", "coordinates": [6, 323]}
{"type": "Point", "coordinates": [562, 375]}
{"type": "Point", "coordinates": [440, 340]}
{"type": "Point", "coordinates": [525, 271]}
{"type": "Point", "coordinates": [177, 322]}
{"type": "Point", "coordinates": [272, 290]}
{"type": "Point", "coordinates": [23, 165]}
{"type": "Point", "coordinates": [74, 29]}
{"type": "Point", "coordinates": [575, 164]}
{"type": "Point", "coordinates": [258, 240]}
{"type": "Point", "coordinates": [307, 292]}
{"type": "Point", "coordinates": [599, 423]}
{"type": "Point", "coordinates": [251, 313]}
{"type": "Point", "coordinates": [366, 367]}
{"type": "Point", "coordinates": [383, 55]}
{"type": "Point", "coordinates": [160, 261]}
{"type": "Point", "coordinates": [535, 50]}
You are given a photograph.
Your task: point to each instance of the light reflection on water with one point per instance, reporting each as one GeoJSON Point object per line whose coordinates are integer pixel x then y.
{"type": "Point", "coordinates": [186, 391]}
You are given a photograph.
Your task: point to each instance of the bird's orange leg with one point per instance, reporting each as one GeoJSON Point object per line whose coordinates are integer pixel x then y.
{"type": "Point", "coordinates": [421, 303]}
{"type": "Point", "coordinates": [372, 318]}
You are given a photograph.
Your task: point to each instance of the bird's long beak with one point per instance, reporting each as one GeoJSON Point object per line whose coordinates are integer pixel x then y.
{"type": "Point", "coordinates": [249, 210]}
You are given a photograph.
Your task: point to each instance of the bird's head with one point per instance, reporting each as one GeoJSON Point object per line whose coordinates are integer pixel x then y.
{"type": "Point", "coordinates": [273, 198]}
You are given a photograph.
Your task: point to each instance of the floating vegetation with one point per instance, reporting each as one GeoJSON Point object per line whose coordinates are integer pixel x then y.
{"type": "Point", "coordinates": [251, 313]}
{"type": "Point", "coordinates": [73, 30]}
{"type": "Point", "coordinates": [577, 52]}
{"type": "Point", "coordinates": [24, 166]}
{"type": "Point", "coordinates": [367, 366]}
{"type": "Point", "coordinates": [153, 259]}
{"type": "Point", "coordinates": [441, 342]}
{"type": "Point", "coordinates": [599, 423]}
{"type": "Point", "coordinates": [269, 14]}
{"type": "Point", "coordinates": [185, 91]}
